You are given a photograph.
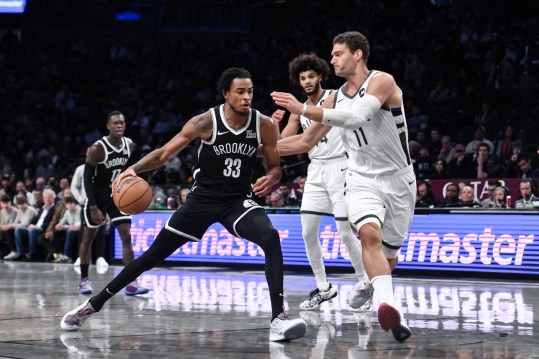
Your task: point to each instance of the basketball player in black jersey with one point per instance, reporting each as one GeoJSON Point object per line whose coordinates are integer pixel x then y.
{"type": "Point", "coordinates": [230, 134]}
{"type": "Point", "coordinates": [105, 160]}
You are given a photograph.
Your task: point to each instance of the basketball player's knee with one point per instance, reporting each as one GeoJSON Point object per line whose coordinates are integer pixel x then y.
{"type": "Point", "coordinates": [371, 237]}
{"type": "Point", "coordinates": [309, 232]}
{"type": "Point", "coordinates": [269, 238]}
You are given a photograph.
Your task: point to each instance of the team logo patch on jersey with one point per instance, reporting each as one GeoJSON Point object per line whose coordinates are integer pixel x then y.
{"type": "Point", "coordinates": [248, 203]}
{"type": "Point", "coordinates": [251, 134]}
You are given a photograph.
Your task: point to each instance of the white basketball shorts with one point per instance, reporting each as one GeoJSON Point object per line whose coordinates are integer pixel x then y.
{"type": "Point", "coordinates": [324, 190]}
{"type": "Point", "coordinates": [387, 200]}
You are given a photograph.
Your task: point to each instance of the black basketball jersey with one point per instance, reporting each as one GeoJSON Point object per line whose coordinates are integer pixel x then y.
{"type": "Point", "coordinates": [227, 160]}
{"type": "Point", "coordinates": [113, 164]}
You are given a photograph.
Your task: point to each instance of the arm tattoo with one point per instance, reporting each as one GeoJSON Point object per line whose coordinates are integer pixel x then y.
{"type": "Point", "coordinates": [204, 122]}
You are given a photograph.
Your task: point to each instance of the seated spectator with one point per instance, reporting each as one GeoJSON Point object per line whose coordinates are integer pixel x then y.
{"type": "Point", "coordinates": [66, 233]}
{"type": "Point", "coordinates": [440, 171]}
{"type": "Point", "coordinates": [494, 168]}
{"type": "Point", "coordinates": [25, 216]}
{"type": "Point", "coordinates": [298, 192]}
{"type": "Point", "coordinates": [435, 144]}
{"type": "Point", "coordinates": [467, 198]}
{"type": "Point", "coordinates": [284, 190]}
{"type": "Point", "coordinates": [6, 184]}
{"type": "Point", "coordinates": [525, 168]}
{"type": "Point", "coordinates": [183, 195]}
{"type": "Point", "coordinates": [504, 148]}
{"type": "Point", "coordinates": [452, 192]}
{"type": "Point", "coordinates": [275, 199]}
{"type": "Point", "coordinates": [527, 193]}
{"type": "Point", "coordinates": [490, 201]}
{"type": "Point", "coordinates": [45, 238]}
{"type": "Point", "coordinates": [488, 166]}
{"type": "Point", "coordinates": [172, 203]}
{"type": "Point", "coordinates": [447, 152]}
{"type": "Point", "coordinates": [28, 235]}
{"type": "Point", "coordinates": [423, 164]}
{"type": "Point", "coordinates": [425, 198]}
{"type": "Point", "coordinates": [500, 197]}
{"type": "Point", "coordinates": [479, 137]}
{"type": "Point", "coordinates": [8, 214]}
{"type": "Point", "coordinates": [462, 166]}
{"type": "Point", "coordinates": [158, 203]}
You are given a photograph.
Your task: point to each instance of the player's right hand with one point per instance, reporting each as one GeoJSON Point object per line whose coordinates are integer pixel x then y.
{"type": "Point", "coordinates": [97, 216]}
{"type": "Point", "coordinates": [127, 173]}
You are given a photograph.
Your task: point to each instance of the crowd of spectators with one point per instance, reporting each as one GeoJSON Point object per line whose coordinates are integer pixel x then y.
{"type": "Point", "coordinates": [468, 71]}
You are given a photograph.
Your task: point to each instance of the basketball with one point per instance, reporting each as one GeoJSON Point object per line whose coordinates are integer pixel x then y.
{"type": "Point", "coordinates": [133, 195]}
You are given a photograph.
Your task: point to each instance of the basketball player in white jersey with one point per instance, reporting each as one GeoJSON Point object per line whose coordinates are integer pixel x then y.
{"type": "Point", "coordinates": [324, 190]}
{"type": "Point", "coordinates": [380, 183]}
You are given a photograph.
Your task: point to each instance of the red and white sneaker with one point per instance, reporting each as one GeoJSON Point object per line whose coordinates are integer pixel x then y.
{"type": "Point", "coordinates": [390, 319]}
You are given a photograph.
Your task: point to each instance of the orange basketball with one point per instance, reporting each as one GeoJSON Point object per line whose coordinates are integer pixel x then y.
{"type": "Point", "coordinates": [133, 195]}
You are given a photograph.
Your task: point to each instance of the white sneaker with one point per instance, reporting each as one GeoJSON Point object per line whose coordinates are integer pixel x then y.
{"type": "Point", "coordinates": [101, 262]}
{"type": "Point", "coordinates": [361, 296]}
{"type": "Point", "coordinates": [284, 329]}
{"type": "Point", "coordinates": [76, 265]}
{"type": "Point", "coordinates": [101, 265]}
{"type": "Point", "coordinates": [11, 256]}
{"type": "Point", "coordinates": [317, 297]}
{"type": "Point", "coordinates": [74, 319]}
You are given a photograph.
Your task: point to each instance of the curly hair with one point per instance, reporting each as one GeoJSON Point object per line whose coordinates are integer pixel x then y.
{"type": "Point", "coordinates": [306, 62]}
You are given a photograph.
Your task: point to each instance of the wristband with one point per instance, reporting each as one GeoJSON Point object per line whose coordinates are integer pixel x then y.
{"type": "Point", "coordinates": [302, 113]}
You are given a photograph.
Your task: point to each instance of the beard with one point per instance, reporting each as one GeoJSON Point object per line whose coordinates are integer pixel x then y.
{"type": "Point", "coordinates": [315, 89]}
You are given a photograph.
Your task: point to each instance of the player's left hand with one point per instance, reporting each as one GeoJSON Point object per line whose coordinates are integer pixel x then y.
{"type": "Point", "coordinates": [127, 173]}
{"type": "Point", "coordinates": [287, 101]}
{"type": "Point", "coordinates": [262, 186]}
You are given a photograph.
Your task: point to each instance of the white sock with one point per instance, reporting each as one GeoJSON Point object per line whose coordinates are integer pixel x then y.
{"type": "Point", "coordinates": [383, 287]}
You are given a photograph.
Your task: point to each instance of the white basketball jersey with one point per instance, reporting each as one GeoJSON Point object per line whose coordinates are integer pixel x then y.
{"type": "Point", "coordinates": [379, 145]}
{"type": "Point", "coordinates": [330, 146]}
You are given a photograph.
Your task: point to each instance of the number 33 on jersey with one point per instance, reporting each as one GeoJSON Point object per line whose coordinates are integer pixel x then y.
{"type": "Point", "coordinates": [228, 158]}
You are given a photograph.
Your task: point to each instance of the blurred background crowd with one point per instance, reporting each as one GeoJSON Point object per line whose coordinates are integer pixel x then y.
{"type": "Point", "coordinates": [468, 71]}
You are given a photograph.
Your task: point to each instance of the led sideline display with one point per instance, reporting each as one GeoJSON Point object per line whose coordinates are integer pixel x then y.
{"type": "Point", "coordinates": [12, 6]}
{"type": "Point", "coordinates": [471, 242]}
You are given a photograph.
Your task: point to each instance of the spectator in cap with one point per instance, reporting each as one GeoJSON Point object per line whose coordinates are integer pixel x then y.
{"type": "Point", "coordinates": [462, 165]}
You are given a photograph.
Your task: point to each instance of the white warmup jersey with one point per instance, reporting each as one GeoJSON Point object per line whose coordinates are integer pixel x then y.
{"type": "Point", "coordinates": [379, 145]}
{"type": "Point", "coordinates": [330, 146]}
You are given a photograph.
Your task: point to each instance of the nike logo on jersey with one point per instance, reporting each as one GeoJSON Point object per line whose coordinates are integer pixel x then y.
{"type": "Point", "coordinates": [411, 182]}
{"type": "Point", "coordinates": [340, 100]}
{"type": "Point", "coordinates": [344, 169]}
{"type": "Point", "coordinates": [221, 133]}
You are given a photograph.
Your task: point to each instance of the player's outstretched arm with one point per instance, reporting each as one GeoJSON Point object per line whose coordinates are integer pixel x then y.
{"type": "Point", "coordinates": [382, 90]}
{"type": "Point", "coordinates": [200, 126]}
{"type": "Point", "coordinates": [304, 142]}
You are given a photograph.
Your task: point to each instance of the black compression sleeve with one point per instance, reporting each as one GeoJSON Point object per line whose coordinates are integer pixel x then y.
{"type": "Point", "coordinates": [89, 171]}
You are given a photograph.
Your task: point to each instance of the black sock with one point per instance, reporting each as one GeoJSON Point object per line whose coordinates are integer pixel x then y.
{"type": "Point", "coordinates": [84, 270]}
{"type": "Point", "coordinates": [257, 228]}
